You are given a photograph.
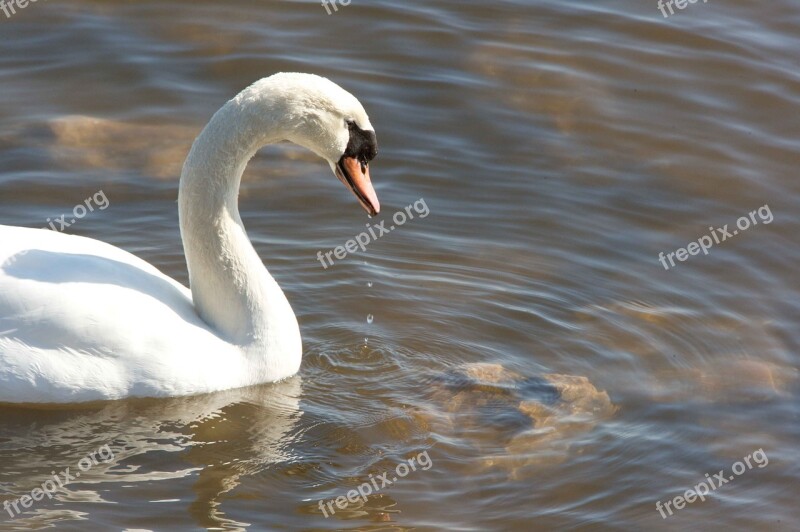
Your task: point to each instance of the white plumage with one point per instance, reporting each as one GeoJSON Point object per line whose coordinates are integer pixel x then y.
{"type": "Point", "coordinates": [81, 320]}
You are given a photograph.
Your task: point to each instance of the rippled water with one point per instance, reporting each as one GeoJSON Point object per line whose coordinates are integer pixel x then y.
{"type": "Point", "coordinates": [524, 334]}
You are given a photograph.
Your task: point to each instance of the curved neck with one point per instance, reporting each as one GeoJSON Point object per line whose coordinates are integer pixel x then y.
{"type": "Point", "coordinates": [231, 288]}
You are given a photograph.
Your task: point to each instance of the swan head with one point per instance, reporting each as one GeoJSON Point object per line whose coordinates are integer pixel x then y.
{"type": "Point", "coordinates": [319, 115]}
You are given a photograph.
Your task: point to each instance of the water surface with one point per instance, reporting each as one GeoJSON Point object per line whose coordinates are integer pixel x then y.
{"type": "Point", "coordinates": [559, 146]}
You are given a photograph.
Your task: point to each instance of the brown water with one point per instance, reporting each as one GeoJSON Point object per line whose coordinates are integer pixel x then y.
{"type": "Point", "coordinates": [524, 334]}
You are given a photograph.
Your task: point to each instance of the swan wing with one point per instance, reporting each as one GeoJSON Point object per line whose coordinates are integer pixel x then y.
{"type": "Point", "coordinates": [82, 320]}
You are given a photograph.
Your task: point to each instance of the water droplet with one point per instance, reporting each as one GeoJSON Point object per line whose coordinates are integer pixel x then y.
{"type": "Point", "coordinates": [370, 318]}
{"type": "Point", "coordinates": [369, 284]}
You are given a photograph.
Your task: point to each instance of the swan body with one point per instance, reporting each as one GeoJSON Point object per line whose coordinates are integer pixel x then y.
{"type": "Point", "coordinates": [81, 320]}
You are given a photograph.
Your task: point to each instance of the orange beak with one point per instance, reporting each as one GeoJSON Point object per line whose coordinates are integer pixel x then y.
{"type": "Point", "coordinates": [355, 175]}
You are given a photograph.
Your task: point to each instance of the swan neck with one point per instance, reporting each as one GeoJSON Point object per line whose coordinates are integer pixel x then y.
{"type": "Point", "coordinates": [231, 289]}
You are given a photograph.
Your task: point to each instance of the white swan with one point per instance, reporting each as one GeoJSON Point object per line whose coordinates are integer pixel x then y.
{"type": "Point", "coordinates": [81, 320]}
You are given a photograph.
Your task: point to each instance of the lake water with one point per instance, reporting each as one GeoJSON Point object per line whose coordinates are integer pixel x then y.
{"type": "Point", "coordinates": [522, 342]}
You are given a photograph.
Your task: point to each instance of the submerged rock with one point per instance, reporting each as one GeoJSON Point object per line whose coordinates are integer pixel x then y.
{"type": "Point", "coordinates": [729, 382]}
{"type": "Point", "coordinates": [536, 418]}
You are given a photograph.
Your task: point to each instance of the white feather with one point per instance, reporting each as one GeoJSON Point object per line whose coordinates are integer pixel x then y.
{"type": "Point", "coordinates": [81, 320]}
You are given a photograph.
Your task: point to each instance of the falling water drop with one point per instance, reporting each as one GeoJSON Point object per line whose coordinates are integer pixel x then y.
{"type": "Point", "coordinates": [369, 284]}
{"type": "Point", "coordinates": [370, 318]}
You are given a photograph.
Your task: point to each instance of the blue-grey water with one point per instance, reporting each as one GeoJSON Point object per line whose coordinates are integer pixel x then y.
{"type": "Point", "coordinates": [558, 148]}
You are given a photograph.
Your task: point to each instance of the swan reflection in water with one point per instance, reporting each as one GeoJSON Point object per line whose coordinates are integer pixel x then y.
{"type": "Point", "coordinates": [187, 440]}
